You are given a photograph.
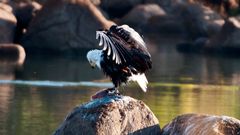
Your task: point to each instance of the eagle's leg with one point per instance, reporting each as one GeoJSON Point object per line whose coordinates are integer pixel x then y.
{"type": "Point", "coordinates": [113, 91]}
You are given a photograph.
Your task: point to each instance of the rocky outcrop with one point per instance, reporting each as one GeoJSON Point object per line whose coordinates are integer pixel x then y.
{"type": "Point", "coordinates": [116, 115]}
{"type": "Point", "coordinates": [197, 20]}
{"type": "Point", "coordinates": [24, 12]}
{"type": "Point", "coordinates": [65, 25]}
{"type": "Point", "coordinates": [226, 42]}
{"type": "Point", "coordinates": [228, 36]}
{"type": "Point", "coordinates": [7, 24]}
{"type": "Point", "coordinates": [191, 124]}
{"type": "Point", "coordinates": [164, 25]}
{"type": "Point", "coordinates": [13, 54]}
{"type": "Point", "coordinates": [186, 20]}
{"type": "Point", "coordinates": [140, 14]}
{"type": "Point", "coordinates": [167, 4]}
{"type": "Point", "coordinates": [118, 8]}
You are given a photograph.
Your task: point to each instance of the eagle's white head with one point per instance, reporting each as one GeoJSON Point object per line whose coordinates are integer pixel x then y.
{"type": "Point", "coordinates": [94, 58]}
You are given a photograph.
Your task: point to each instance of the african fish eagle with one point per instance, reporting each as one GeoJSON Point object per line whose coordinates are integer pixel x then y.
{"type": "Point", "coordinates": [124, 56]}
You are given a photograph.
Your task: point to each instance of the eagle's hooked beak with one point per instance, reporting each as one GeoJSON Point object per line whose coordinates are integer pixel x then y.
{"type": "Point", "coordinates": [93, 65]}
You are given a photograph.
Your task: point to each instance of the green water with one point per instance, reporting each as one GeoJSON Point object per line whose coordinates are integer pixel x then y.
{"type": "Point", "coordinates": [179, 83]}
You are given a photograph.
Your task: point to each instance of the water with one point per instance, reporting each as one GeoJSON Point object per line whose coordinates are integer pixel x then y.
{"type": "Point", "coordinates": [35, 98]}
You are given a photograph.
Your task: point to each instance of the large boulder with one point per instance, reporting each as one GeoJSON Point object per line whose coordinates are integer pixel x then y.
{"type": "Point", "coordinates": [7, 24]}
{"type": "Point", "coordinates": [228, 36]}
{"type": "Point", "coordinates": [24, 12]}
{"type": "Point", "coordinates": [13, 54]}
{"type": "Point", "coordinates": [116, 115]}
{"type": "Point", "coordinates": [96, 2]}
{"type": "Point", "coordinates": [191, 124]}
{"type": "Point", "coordinates": [140, 14]}
{"type": "Point", "coordinates": [168, 25]}
{"type": "Point", "coordinates": [118, 8]}
{"type": "Point", "coordinates": [187, 20]}
{"type": "Point", "coordinates": [65, 25]}
{"type": "Point", "coordinates": [197, 20]}
{"type": "Point", "coordinates": [168, 5]}
{"type": "Point", "coordinates": [226, 42]}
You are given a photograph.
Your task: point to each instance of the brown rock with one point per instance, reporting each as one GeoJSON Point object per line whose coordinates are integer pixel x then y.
{"type": "Point", "coordinates": [197, 20]}
{"type": "Point", "coordinates": [140, 14]}
{"type": "Point", "coordinates": [24, 12]}
{"type": "Point", "coordinates": [7, 24]}
{"type": "Point", "coordinates": [186, 20]}
{"type": "Point", "coordinates": [226, 42]}
{"type": "Point", "coordinates": [228, 38]}
{"type": "Point", "coordinates": [118, 8]}
{"type": "Point", "coordinates": [41, 2]}
{"type": "Point", "coordinates": [192, 124]}
{"type": "Point", "coordinates": [65, 25]}
{"type": "Point", "coordinates": [95, 2]}
{"type": "Point", "coordinates": [165, 25]}
{"type": "Point", "coordinates": [110, 115]}
{"type": "Point", "coordinates": [12, 54]}
{"type": "Point", "coordinates": [167, 5]}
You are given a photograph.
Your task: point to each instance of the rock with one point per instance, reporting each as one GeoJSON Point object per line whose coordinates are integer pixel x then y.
{"type": "Point", "coordinates": [12, 54]}
{"type": "Point", "coordinates": [95, 2]}
{"type": "Point", "coordinates": [118, 8]}
{"type": "Point", "coordinates": [227, 41]}
{"type": "Point", "coordinates": [224, 7]}
{"type": "Point", "coordinates": [24, 12]}
{"type": "Point", "coordinates": [65, 26]}
{"type": "Point", "coordinates": [168, 5]}
{"type": "Point", "coordinates": [186, 20]}
{"type": "Point", "coordinates": [229, 34]}
{"type": "Point", "coordinates": [7, 24]}
{"type": "Point", "coordinates": [203, 125]}
{"type": "Point", "coordinates": [167, 25]}
{"type": "Point", "coordinates": [42, 2]}
{"type": "Point", "coordinates": [197, 20]}
{"type": "Point", "coordinates": [140, 14]}
{"type": "Point", "coordinates": [116, 115]}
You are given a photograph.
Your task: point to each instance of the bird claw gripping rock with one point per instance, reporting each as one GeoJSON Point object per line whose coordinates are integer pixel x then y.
{"type": "Point", "coordinates": [106, 92]}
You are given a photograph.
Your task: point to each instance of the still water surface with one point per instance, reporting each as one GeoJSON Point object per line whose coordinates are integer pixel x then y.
{"type": "Point", "coordinates": [35, 98]}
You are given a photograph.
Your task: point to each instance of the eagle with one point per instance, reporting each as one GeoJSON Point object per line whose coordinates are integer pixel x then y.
{"type": "Point", "coordinates": [124, 56]}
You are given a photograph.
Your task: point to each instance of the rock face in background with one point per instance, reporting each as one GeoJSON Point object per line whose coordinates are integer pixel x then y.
{"type": "Point", "coordinates": [203, 125]}
{"type": "Point", "coordinates": [118, 8]}
{"type": "Point", "coordinates": [8, 24]}
{"type": "Point", "coordinates": [189, 21]}
{"type": "Point", "coordinates": [13, 54]}
{"type": "Point", "coordinates": [225, 42]}
{"type": "Point", "coordinates": [140, 14]}
{"type": "Point", "coordinates": [95, 2]}
{"type": "Point", "coordinates": [197, 20]}
{"type": "Point", "coordinates": [24, 12]}
{"type": "Point", "coordinates": [114, 115]}
{"type": "Point", "coordinates": [65, 25]}
{"type": "Point", "coordinates": [229, 36]}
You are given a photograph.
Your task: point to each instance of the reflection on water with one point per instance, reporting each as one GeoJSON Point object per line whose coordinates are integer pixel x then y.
{"type": "Point", "coordinates": [179, 83]}
{"type": "Point", "coordinates": [57, 83]}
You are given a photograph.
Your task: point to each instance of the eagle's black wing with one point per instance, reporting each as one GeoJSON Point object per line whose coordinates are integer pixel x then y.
{"type": "Point", "coordinates": [125, 46]}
